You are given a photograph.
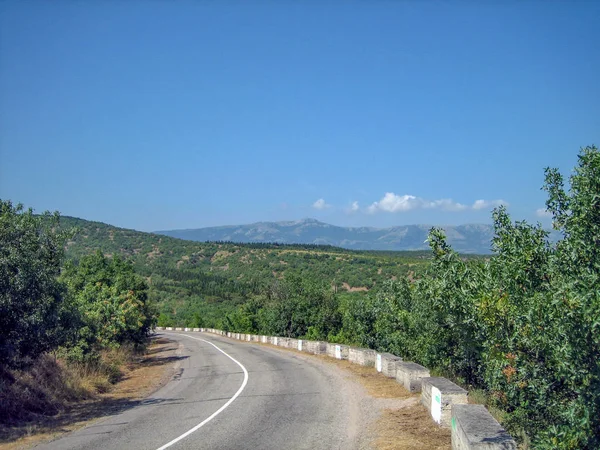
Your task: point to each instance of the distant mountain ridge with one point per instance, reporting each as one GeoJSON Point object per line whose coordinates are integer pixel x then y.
{"type": "Point", "coordinates": [471, 238]}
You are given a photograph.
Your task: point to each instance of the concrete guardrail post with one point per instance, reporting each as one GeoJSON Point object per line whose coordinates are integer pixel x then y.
{"type": "Point", "coordinates": [439, 395]}
{"type": "Point", "coordinates": [409, 374]}
{"type": "Point", "coordinates": [386, 364]}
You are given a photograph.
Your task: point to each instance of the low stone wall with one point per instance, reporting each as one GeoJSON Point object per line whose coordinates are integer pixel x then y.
{"type": "Point", "coordinates": [283, 342]}
{"type": "Point", "coordinates": [474, 428]}
{"type": "Point", "coordinates": [362, 356]}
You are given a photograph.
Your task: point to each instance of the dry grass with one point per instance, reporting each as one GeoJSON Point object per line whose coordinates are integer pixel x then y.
{"type": "Point", "coordinates": [53, 398]}
{"type": "Point", "coordinates": [410, 428]}
{"type": "Point", "coordinates": [376, 384]}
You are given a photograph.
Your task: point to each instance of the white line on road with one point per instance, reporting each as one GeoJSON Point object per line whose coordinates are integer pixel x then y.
{"type": "Point", "coordinates": [216, 413]}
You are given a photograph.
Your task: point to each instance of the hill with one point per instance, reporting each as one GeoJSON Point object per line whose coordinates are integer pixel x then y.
{"type": "Point", "coordinates": [200, 282]}
{"type": "Point", "coordinates": [474, 238]}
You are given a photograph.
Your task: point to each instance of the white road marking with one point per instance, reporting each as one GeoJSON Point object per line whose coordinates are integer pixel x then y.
{"type": "Point", "coordinates": [216, 413]}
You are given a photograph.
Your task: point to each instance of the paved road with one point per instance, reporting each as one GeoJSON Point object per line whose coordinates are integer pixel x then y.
{"type": "Point", "coordinates": [290, 401]}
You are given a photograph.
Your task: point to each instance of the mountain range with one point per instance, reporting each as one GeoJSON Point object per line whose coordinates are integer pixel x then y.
{"type": "Point", "coordinates": [472, 238]}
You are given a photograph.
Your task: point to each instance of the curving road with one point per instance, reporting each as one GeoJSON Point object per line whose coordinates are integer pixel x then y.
{"type": "Point", "coordinates": [229, 394]}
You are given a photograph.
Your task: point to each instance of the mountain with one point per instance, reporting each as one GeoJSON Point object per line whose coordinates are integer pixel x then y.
{"type": "Point", "coordinates": [474, 238]}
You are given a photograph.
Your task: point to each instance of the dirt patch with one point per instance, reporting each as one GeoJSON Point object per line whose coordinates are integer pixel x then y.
{"type": "Point", "coordinates": [354, 289]}
{"type": "Point", "coordinates": [410, 428]}
{"type": "Point", "coordinates": [154, 253]}
{"type": "Point", "coordinates": [183, 259]}
{"type": "Point", "coordinates": [220, 255]}
{"type": "Point", "coordinates": [376, 384]}
{"type": "Point", "coordinates": [403, 423]}
{"type": "Point", "coordinates": [140, 379]}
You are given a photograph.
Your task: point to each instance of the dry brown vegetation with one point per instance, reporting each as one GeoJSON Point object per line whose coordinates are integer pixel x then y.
{"type": "Point", "coordinates": [410, 428]}
{"type": "Point", "coordinates": [52, 398]}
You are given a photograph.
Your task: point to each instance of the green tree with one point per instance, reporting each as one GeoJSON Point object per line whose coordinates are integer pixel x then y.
{"type": "Point", "coordinates": [31, 298]}
{"type": "Point", "coordinates": [112, 301]}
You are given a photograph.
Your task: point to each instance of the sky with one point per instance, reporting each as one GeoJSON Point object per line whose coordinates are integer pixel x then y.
{"type": "Point", "coordinates": [159, 115]}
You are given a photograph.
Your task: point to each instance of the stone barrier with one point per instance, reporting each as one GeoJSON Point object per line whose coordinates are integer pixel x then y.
{"type": "Point", "coordinates": [409, 374]}
{"type": "Point", "coordinates": [315, 347]}
{"type": "Point", "coordinates": [337, 351]}
{"type": "Point", "coordinates": [439, 395]}
{"type": "Point", "coordinates": [474, 428]}
{"type": "Point", "coordinates": [362, 356]}
{"type": "Point", "coordinates": [282, 342]}
{"type": "Point", "coordinates": [386, 364]}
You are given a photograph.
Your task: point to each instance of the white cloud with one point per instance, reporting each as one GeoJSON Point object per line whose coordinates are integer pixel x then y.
{"type": "Point", "coordinates": [543, 212]}
{"type": "Point", "coordinates": [446, 204]}
{"type": "Point", "coordinates": [401, 203]}
{"type": "Point", "coordinates": [320, 204]}
{"type": "Point", "coordinates": [396, 203]}
{"type": "Point", "coordinates": [354, 207]}
{"type": "Point", "coordinates": [486, 204]}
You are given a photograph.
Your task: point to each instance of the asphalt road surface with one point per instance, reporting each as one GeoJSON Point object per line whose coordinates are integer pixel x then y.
{"type": "Point", "coordinates": [230, 395]}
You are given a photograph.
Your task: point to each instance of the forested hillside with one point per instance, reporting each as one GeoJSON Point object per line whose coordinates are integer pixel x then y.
{"type": "Point", "coordinates": [198, 284]}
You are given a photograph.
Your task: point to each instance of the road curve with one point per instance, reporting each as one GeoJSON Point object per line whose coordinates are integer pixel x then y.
{"type": "Point", "coordinates": [288, 401]}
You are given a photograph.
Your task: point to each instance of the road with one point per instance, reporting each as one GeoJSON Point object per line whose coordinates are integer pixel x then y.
{"type": "Point", "coordinates": [229, 394]}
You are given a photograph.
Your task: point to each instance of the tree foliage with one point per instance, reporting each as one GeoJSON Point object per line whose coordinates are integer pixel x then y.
{"type": "Point", "coordinates": [97, 303]}
{"type": "Point", "coordinates": [31, 298]}
{"type": "Point", "coordinates": [111, 300]}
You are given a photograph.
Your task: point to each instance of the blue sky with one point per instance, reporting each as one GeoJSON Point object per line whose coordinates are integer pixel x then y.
{"type": "Point", "coordinates": [159, 115]}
